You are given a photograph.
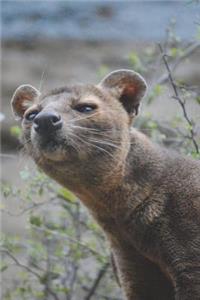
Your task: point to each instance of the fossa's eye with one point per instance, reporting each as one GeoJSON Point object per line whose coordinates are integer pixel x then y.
{"type": "Point", "coordinates": [31, 116]}
{"type": "Point", "coordinates": [85, 108]}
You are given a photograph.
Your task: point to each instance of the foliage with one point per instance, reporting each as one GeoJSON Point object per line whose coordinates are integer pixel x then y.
{"type": "Point", "coordinates": [162, 61]}
{"type": "Point", "coordinates": [64, 250]}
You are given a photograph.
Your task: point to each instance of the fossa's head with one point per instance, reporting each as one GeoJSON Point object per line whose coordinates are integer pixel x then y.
{"type": "Point", "coordinates": [82, 126]}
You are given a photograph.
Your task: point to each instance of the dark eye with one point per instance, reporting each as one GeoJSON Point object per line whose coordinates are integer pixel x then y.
{"type": "Point", "coordinates": [85, 108]}
{"type": "Point", "coordinates": [31, 116]}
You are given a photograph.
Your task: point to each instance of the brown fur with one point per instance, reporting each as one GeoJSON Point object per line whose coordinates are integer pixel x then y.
{"type": "Point", "coordinates": [146, 199]}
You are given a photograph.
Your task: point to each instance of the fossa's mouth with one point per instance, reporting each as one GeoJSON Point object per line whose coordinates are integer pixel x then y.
{"type": "Point", "coordinates": [52, 147]}
{"type": "Point", "coordinates": [55, 152]}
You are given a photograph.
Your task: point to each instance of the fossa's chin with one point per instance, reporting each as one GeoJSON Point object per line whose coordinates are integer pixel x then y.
{"type": "Point", "coordinates": [55, 155]}
{"type": "Point", "coordinates": [49, 149]}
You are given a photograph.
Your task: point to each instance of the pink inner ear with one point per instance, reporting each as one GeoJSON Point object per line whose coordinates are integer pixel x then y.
{"type": "Point", "coordinates": [130, 91]}
{"type": "Point", "coordinates": [22, 102]}
{"type": "Point", "coordinates": [129, 98]}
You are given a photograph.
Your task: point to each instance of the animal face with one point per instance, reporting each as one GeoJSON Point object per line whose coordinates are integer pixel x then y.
{"type": "Point", "coordinates": [80, 125]}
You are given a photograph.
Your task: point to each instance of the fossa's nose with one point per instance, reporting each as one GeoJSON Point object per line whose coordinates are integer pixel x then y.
{"type": "Point", "coordinates": [47, 122]}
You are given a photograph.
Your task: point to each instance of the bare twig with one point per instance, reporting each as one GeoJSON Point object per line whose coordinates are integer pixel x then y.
{"type": "Point", "coordinates": [68, 238]}
{"type": "Point", "coordinates": [186, 52]}
{"type": "Point", "coordinates": [27, 268]}
{"type": "Point", "coordinates": [18, 263]}
{"type": "Point", "coordinates": [76, 219]}
{"type": "Point", "coordinates": [25, 210]}
{"type": "Point", "coordinates": [180, 100]}
{"type": "Point", "coordinates": [33, 206]}
{"type": "Point", "coordinates": [102, 296]}
{"type": "Point", "coordinates": [97, 280]}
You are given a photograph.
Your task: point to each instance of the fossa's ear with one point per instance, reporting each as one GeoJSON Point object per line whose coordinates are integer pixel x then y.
{"type": "Point", "coordinates": [128, 87]}
{"type": "Point", "coordinates": [24, 97]}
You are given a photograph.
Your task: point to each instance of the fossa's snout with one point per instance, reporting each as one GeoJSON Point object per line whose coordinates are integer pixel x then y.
{"type": "Point", "coordinates": [47, 122]}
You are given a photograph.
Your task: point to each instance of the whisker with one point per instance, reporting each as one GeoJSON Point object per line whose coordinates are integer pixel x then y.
{"type": "Point", "coordinates": [42, 79]}
{"type": "Point", "coordinates": [83, 118]}
{"type": "Point", "coordinates": [75, 146]}
{"type": "Point", "coordinates": [85, 128]}
{"type": "Point", "coordinates": [91, 144]}
{"type": "Point", "coordinates": [104, 142]}
{"type": "Point", "coordinates": [92, 129]}
{"type": "Point", "coordinates": [109, 139]}
{"type": "Point", "coordinates": [96, 131]}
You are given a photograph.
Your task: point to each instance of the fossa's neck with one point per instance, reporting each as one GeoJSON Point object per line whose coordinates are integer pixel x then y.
{"type": "Point", "coordinates": [117, 191]}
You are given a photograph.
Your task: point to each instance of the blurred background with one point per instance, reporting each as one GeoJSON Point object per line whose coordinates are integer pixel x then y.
{"type": "Point", "coordinates": [54, 43]}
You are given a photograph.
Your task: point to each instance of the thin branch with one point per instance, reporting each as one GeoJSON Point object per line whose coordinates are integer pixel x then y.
{"type": "Point", "coordinates": [101, 296]}
{"type": "Point", "coordinates": [25, 210]}
{"type": "Point", "coordinates": [180, 101]}
{"type": "Point", "coordinates": [97, 280]}
{"type": "Point", "coordinates": [69, 238]}
{"type": "Point", "coordinates": [32, 207]}
{"type": "Point", "coordinates": [19, 264]}
{"type": "Point", "coordinates": [186, 53]}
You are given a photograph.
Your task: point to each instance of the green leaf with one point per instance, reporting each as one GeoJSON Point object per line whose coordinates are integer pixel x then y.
{"type": "Point", "coordinates": [15, 131]}
{"type": "Point", "coordinates": [103, 70]}
{"type": "Point", "coordinates": [174, 52]}
{"type": "Point", "coordinates": [157, 91]}
{"type": "Point", "coordinates": [135, 61]}
{"type": "Point", "coordinates": [24, 174]}
{"type": "Point", "coordinates": [36, 220]}
{"type": "Point", "coordinates": [3, 268]}
{"type": "Point", "coordinates": [195, 155]}
{"type": "Point", "coordinates": [152, 125]}
{"type": "Point", "coordinates": [198, 99]}
{"type": "Point", "coordinates": [61, 289]}
{"type": "Point", "coordinates": [67, 195]}
{"type": "Point", "coordinates": [6, 190]}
